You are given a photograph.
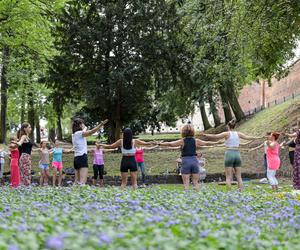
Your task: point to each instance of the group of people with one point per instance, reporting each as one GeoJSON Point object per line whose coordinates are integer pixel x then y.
{"type": "Point", "coordinates": [132, 150]}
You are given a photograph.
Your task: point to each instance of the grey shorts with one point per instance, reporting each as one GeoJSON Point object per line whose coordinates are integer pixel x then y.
{"type": "Point", "coordinates": [233, 158]}
{"type": "Point", "coordinates": [189, 165]}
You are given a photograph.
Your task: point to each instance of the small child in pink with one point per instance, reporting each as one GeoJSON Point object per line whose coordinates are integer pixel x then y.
{"type": "Point", "coordinates": [273, 159]}
{"type": "Point", "coordinates": [98, 165]}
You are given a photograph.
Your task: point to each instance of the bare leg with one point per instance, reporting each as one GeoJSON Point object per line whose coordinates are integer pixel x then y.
{"type": "Point", "coordinates": [228, 173]}
{"type": "Point", "coordinates": [134, 176]}
{"type": "Point", "coordinates": [77, 176]}
{"type": "Point", "coordinates": [238, 175]}
{"type": "Point", "coordinates": [186, 181]}
{"type": "Point", "coordinates": [124, 176]}
{"type": "Point", "coordinates": [46, 177]}
{"type": "Point", "coordinates": [195, 179]}
{"type": "Point", "coordinates": [42, 178]}
{"type": "Point", "coordinates": [101, 182]}
{"type": "Point", "coordinates": [83, 175]}
{"type": "Point", "coordinates": [60, 177]}
{"type": "Point", "coordinates": [54, 177]}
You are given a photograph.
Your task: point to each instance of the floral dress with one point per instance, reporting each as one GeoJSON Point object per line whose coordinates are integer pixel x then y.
{"type": "Point", "coordinates": [296, 171]}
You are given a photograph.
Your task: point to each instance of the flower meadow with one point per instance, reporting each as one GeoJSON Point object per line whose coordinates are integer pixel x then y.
{"type": "Point", "coordinates": [148, 218]}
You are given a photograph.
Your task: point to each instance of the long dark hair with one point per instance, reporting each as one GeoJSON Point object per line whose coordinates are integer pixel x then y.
{"type": "Point", "coordinates": [232, 124]}
{"type": "Point", "coordinates": [21, 131]}
{"type": "Point", "coordinates": [76, 125]}
{"type": "Point", "coordinates": [127, 138]}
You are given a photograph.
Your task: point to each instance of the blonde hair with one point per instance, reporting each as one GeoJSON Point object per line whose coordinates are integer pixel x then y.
{"type": "Point", "coordinates": [187, 131]}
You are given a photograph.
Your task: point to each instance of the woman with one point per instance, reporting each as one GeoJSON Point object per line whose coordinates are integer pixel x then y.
{"type": "Point", "coordinates": [79, 135]}
{"type": "Point", "coordinates": [128, 147]}
{"type": "Point", "coordinates": [233, 159]}
{"type": "Point", "coordinates": [189, 160]}
{"type": "Point", "coordinates": [14, 165]}
{"type": "Point", "coordinates": [296, 166]}
{"type": "Point", "coordinates": [25, 148]}
{"type": "Point", "coordinates": [273, 160]}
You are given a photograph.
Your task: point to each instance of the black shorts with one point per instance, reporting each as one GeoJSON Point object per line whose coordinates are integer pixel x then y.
{"type": "Point", "coordinates": [81, 162]}
{"type": "Point", "coordinates": [128, 163]}
{"type": "Point", "coordinates": [98, 171]}
{"type": "Point", "coordinates": [292, 156]}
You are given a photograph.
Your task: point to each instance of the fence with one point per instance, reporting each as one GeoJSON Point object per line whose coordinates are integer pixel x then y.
{"type": "Point", "coordinates": [270, 104]}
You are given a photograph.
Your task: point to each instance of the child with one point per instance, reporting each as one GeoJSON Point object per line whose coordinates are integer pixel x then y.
{"type": "Point", "coordinates": [57, 164]}
{"type": "Point", "coordinates": [14, 162]}
{"type": "Point", "coordinates": [3, 154]}
{"type": "Point", "coordinates": [273, 159]}
{"type": "Point", "coordinates": [44, 163]}
{"type": "Point", "coordinates": [98, 164]}
{"type": "Point", "coordinates": [139, 158]}
{"type": "Point", "coordinates": [202, 162]}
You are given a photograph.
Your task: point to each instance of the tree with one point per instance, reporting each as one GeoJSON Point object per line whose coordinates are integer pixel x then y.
{"type": "Point", "coordinates": [114, 54]}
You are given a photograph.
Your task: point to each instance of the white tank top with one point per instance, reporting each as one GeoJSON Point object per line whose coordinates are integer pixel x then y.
{"type": "Point", "coordinates": [233, 141]}
{"type": "Point", "coordinates": [131, 151]}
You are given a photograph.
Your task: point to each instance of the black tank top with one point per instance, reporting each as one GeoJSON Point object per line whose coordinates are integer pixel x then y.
{"type": "Point", "coordinates": [26, 148]}
{"type": "Point", "coordinates": [189, 147]}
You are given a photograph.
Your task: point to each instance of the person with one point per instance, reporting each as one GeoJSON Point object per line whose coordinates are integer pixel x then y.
{"type": "Point", "coordinates": [265, 164]}
{"type": "Point", "coordinates": [291, 146]}
{"type": "Point", "coordinates": [25, 149]}
{"type": "Point", "coordinates": [98, 164]}
{"type": "Point", "coordinates": [44, 163]}
{"type": "Point", "coordinates": [79, 135]}
{"type": "Point", "coordinates": [232, 160]}
{"type": "Point", "coordinates": [140, 161]}
{"type": "Point", "coordinates": [189, 145]}
{"type": "Point", "coordinates": [273, 159]}
{"type": "Point", "coordinates": [3, 154]}
{"type": "Point", "coordinates": [128, 163]}
{"type": "Point", "coordinates": [296, 166]}
{"type": "Point", "coordinates": [57, 162]}
{"type": "Point", "coordinates": [202, 162]}
{"type": "Point", "coordinates": [14, 162]}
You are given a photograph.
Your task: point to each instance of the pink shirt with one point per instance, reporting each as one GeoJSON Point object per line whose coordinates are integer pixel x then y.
{"type": "Point", "coordinates": [273, 157]}
{"type": "Point", "coordinates": [98, 157]}
{"type": "Point", "coordinates": [139, 155]}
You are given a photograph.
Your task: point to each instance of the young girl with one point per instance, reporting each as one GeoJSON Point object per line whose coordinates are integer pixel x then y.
{"type": "Point", "coordinates": [14, 162]}
{"type": "Point", "coordinates": [44, 163]}
{"type": "Point", "coordinates": [3, 154]}
{"type": "Point", "coordinates": [273, 159]}
{"type": "Point", "coordinates": [139, 158]}
{"type": "Point", "coordinates": [202, 162]}
{"type": "Point", "coordinates": [57, 164]}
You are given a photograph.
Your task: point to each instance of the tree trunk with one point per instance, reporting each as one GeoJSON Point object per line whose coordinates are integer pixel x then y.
{"type": "Point", "coordinates": [31, 115]}
{"type": "Point", "coordinates": [38, 129]}
{"type": "Point", "coordinates": [225, 104]}
{"type": "Point", "coordinates": [23, 106]}
{"type": "Point", "coordinates": [205, 121]}
{"type": "Point", "coordinates": [234, 103]}
{"type": "Point", "coordinates": [51, 135]}
{"type": "Point", "coordinates": [59, 128]}
{"type": "Point", "coordinates": [4, 88]}
{"type": "Point", "coordinates": [214, 111]}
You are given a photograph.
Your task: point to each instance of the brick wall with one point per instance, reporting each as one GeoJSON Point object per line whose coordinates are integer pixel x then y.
{"type": "Point", "coordinates": [251, 96]}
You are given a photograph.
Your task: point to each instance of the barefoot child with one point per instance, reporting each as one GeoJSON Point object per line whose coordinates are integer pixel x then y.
{"type": "Point", "coordinates": [273, 159]}
{"type": "Point", "coordinates": [14, 162]}
{"type": "Point", "coordinates": [57, 163]}
{"type": "Point", "coordinates": [44, 163]}
{"type": "Point", "coordinates": [202, 163]}
{"type": "Point", "coordinates": [140, 161]}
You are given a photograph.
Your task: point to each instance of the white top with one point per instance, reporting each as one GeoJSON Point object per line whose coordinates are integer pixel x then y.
{"type": "Point", "coordinates": [79, 144]}
{"type": "Point", "coordinates": [131, 151]}
{"type": "Point", "coordinates": [233, 141]}
{"type": "Point", "coordinates": [3, 154]}
{"type": "Point", "coordinates": [265, 147]}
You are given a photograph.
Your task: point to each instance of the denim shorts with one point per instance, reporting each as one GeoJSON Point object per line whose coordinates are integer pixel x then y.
{"type": "Point", "coordinates": [44, 166]}
{"type": "Point", "coordinates": [189, 165]}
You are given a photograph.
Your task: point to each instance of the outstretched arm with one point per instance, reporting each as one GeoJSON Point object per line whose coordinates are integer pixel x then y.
{"type": "Point", "coordinates": [94, 130]}
{"type": "Point", "coordinates": [143, 143]}
{"type": "Point", "coordinates": [115, 145]}
{"type": "Point", "coordinates": [247, 137]}
{"type": "Point", "coordinates": [223, 135]}
{"type": "Point", "coordinates": [150, 148]}
{"type": "Point", "coordinates": [258, 147]}
{"type": "Point", "coordinates": [177, 143]}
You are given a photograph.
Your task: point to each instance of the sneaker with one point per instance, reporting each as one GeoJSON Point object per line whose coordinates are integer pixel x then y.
{"type": "Point", "coordinates": [264, 180]}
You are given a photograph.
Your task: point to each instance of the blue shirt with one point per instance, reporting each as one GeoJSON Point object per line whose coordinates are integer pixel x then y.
{"type": "Point", "coordinates": [57, 154]}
